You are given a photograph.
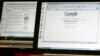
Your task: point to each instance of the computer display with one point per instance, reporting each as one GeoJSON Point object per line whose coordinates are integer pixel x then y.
{"type": "Point", "coordinates": [18, 19]}
{"type": "Point", "coordinates": [17, 24]}
{"type": "Point", "coordinates": [70, 26]}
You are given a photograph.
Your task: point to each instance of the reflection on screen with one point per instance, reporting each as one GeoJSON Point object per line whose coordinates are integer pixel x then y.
{"type": "Point", "coordinates": [18, 19]}
{"type": "Point", "coordinates": [70, 25]}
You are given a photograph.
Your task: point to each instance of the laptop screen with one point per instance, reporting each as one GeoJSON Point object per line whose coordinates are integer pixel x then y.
{"type": "Point", "coordinates": [18, 19]}
{"type": "Point", "coordinates": [70, 26]}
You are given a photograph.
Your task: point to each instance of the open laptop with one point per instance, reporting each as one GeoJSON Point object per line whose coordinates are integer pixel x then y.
{"type": "Point", "coordinates": [69, 26]}
{"type": "Point", "coordinates": [18, 24]}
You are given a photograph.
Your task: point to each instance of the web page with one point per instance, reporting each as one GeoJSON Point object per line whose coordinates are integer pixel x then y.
{"type": "Point", "coordinates": [18, 19]}
{"type": "Point", "coordinates": [64, 25]}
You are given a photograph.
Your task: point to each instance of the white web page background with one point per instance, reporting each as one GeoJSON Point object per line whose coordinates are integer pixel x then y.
{"type": "Point", "coordinates": [64, 25]}
{"type": "Point", "coordinates": [80, 28]}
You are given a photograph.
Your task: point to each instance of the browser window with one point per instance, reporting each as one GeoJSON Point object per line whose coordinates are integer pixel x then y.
{"type": "Point", "coordinates": [18, 19]}
{"type": "Point", "coordinates": [70, 25]}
